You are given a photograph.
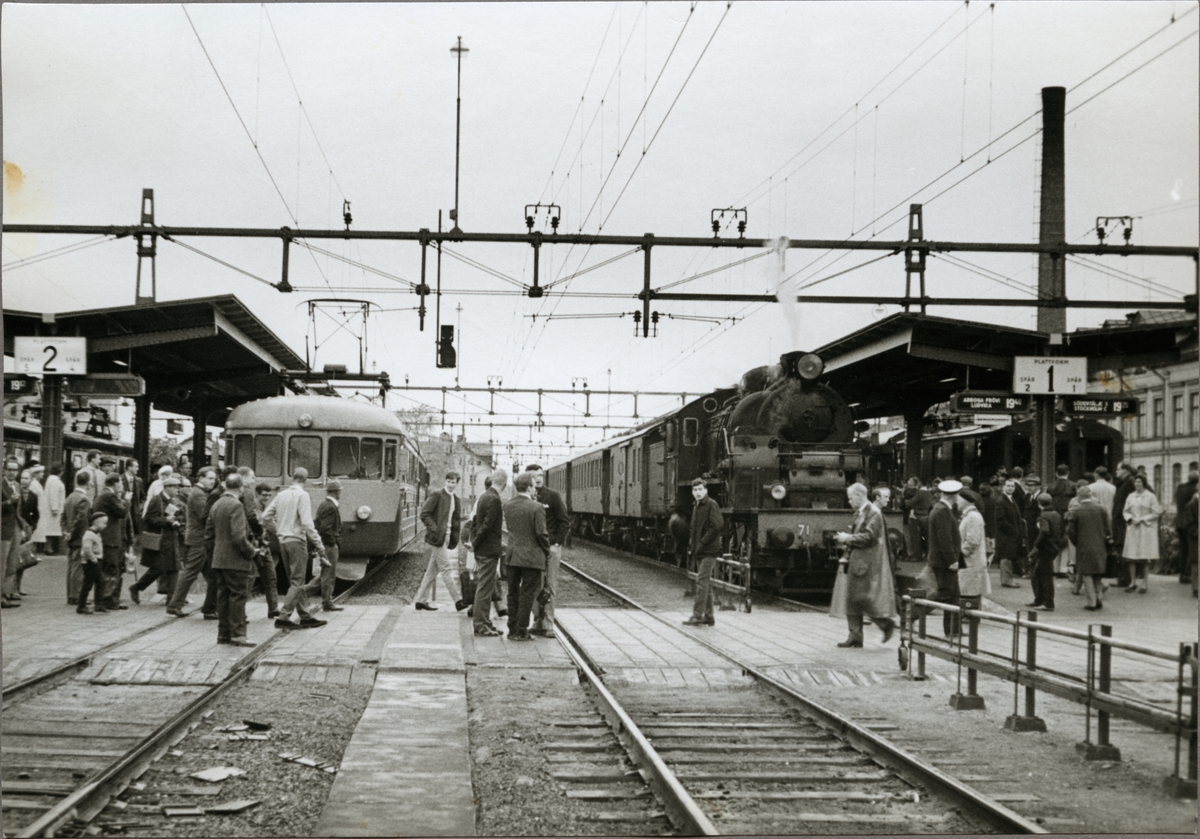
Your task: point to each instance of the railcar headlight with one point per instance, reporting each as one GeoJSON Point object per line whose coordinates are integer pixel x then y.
{"type": "Point", "coordinates": [305, 421]}
{"type": "Point", "coordinates": [779, 492]}
{"type": "Point", "coordinates": [810, 366]}
{"type": "Point", "coordinates": [363, 512]}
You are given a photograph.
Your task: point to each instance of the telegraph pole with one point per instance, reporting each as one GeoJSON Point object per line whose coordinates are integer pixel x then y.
{"type": "Point", "coordinates": [459, 49]}
{"type": "Point", "coordinates": [1052, 230]}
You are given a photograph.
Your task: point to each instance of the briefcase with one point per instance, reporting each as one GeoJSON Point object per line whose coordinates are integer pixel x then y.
{"type": "Point", "coordinates": [150, 541]}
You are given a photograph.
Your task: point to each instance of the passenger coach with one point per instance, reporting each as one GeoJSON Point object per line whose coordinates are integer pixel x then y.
{"type": "Point", "coordinates": [366, 448]}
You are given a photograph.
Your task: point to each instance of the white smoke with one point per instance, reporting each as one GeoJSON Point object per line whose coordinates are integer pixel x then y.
{"type": "Point", "coordinates": [785, 290]}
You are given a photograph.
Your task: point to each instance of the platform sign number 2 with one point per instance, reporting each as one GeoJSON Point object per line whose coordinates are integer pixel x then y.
{"type": "Point", "coordinates": [1049, 375]}
{"type": "Point", "coordinates": [50, 356]}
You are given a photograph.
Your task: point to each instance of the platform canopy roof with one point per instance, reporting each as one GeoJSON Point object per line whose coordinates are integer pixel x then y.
{"type": "Point", "coordinates": [908, 362]}
{"type": "Point", "coordinates": [205, 355]}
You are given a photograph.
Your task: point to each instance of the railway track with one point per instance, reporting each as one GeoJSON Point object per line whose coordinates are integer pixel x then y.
{"type": "Point", "coordinates": [763, 758]}
{"type": "Point", "coordinates": [71, 748]}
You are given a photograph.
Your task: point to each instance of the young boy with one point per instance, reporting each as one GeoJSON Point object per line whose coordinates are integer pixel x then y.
{"type": "Point", "coordinates": [90, 554]}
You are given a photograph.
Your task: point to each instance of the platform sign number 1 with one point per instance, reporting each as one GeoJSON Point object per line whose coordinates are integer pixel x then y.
{"type": "Point", "coordinates": [50, 356]}
{"type": "Point", "coordinates": [1050, 375]}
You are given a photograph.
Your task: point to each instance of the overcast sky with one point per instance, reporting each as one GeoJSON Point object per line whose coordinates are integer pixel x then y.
{"type": "Point", "coordinates": [824, 120]}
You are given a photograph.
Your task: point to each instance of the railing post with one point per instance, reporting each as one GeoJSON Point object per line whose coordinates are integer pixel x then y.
{"type": "Point", "coordinates": [971, 701]}
{"type": "Point", "coordinates": [920, 677]}
{"type": "Point", "coordinates": [1029, 721]}
{"type": "Point", "coordinates": [1102, 749]}
{"type": "Point", "coordinates": [1175, 786]}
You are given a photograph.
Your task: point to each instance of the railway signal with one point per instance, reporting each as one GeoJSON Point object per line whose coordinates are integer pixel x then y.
{"type": "Point", "coordinates": [446, 356]}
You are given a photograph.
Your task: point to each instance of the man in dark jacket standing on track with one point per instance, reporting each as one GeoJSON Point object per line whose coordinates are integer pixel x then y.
{"type": "Point", "coordinates": [112, 567]}
{"type": "Point", "coordinates": [486, 539]}
{"type": "Point", "coordinates": [707, 526]}
{"type": "Point", "coordinates": [526, 520]}
{"type": "Point", "coordinates": [945, 550]}
{"type": "Point", "coordinates": [557, 525]}
{"type": "Point", "coordinates": [232, 560]}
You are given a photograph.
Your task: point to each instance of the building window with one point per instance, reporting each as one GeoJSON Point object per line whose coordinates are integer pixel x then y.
{"type": "Point", "coordinates": [1177, 415]}
{"type": "Point", "coordinates": [1176, 474]}
{"type": "Point", "coordinates": [1158, 477]}
{"type": "Point", "coordinates": [1194, 410]}
{"type": "Point", "coordinates": [1159, 417]}
{"type": "Point", "coordinates": [1142, 430]}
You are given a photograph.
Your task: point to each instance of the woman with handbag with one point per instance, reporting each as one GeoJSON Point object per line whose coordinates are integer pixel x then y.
{"type": "Point", "coordinates": [162, 522]}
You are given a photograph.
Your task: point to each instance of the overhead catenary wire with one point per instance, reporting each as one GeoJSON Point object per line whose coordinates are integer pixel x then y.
{"type": "Point", "coordinates": [56, 252]}
{"type": "Point", "coordinates": [219, 261]}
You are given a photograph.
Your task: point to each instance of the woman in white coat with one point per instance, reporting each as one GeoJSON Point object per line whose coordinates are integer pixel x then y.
{"type": "Point", "coordinates": [38, 472]}
{"type": "Point", "coordinates": [56, 500]}
{"type": "Point", "coordinates": [1142, 511]}
{"type": "Point", "coordinates": [973, 580]}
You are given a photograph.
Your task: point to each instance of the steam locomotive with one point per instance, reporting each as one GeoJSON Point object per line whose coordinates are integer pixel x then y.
{"type": "Point", "coordinates": [777, 453]}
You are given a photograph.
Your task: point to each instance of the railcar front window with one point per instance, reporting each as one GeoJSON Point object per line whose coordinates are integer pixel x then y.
{"type": "Point", "coordinates": [371, 466]}
{"type": "Point", "coordinates": [268, 455]}
{"type": "Point", "coordinates": [243, 450]}
{"type": "Point", "coordinates": [389, 462]}
{"type": "Point", "coordinates": [343, 457]}
{"type": "Point", "coordinates": [305, 451]}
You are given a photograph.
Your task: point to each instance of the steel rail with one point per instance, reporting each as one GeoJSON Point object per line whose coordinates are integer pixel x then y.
{"type": "Point", "coordinates": [911, 768]}
{"type": "Point", "coordinates": [681, 808]}
{"type": "Point", "coordinates": [426, 236]}
{"type": "Point", "coordinates": [92, 797]}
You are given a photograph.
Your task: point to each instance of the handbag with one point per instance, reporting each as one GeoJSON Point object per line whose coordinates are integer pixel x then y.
{"type": "Point", "coordinates": [148, 541]}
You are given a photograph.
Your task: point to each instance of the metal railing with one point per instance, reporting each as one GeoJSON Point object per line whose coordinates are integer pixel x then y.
{"type": "Point", "coordinates": [730, 581]}
{"type": "Point", "coordinates": [1093, 688]}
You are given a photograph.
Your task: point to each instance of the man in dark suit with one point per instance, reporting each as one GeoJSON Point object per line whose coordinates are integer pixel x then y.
{"type": "Point", "coordinates": [486, 535]}
{"type": "Point", "coordinates": [917, 501]}
{"type": "Point", "coordinates": [705, 545]}
{"type": "Point", "coordinates": [133, 490]}
{"type": "Point", "coordinates": [442, 517]}
{"type": "Point", "coordinates": [328, 521]}
{"type": "Point", "coordinates": [1008, 534]}
{"type": "Point", "coordinates": [558, 524]}
{"type": "Point", "coordinates": [9, 532]}
{"type": "Point", "coordinates": [1125, 488]}
{"type": "Point", "coordinates": [195, 561]}
{"type": "Point", "coordinates": [112, 567]}
{"type": "Point", "coordinates": [526, 520]}
{"type": "Point", "coordinates": [233, 556]}
{"type": "Point", "coordinates": [945, 550]}
{"type": "Point", "coordinates": [75, 516]}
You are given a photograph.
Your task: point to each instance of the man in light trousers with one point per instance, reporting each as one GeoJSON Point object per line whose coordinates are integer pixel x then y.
{"type": "Point", "coordinates": [291, 514]}
{"type": "Point", "coordinates": [442, 517]}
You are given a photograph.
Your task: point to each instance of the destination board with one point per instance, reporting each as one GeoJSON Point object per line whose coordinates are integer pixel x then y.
{"type": "Point", "coordinates": [989, 402]}
{"type": "Point", "coordinates": [1113, 406]}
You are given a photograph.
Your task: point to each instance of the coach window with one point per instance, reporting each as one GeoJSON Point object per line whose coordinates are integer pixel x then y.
{"type": "Point", "coordinates": [243, 450]}
{"type": "Point", "coordinates": [691, 431]}
{"type": "Point", "coordinates": [268, 455]}
{"type": "Point", "coordinates": [371, 467]}
{"type": "Point", "coordinates": [305, 451]}
{"type": "Point", "coordinates": [389, 461]}
{"type": "Point", "coordinates": [343, 457]}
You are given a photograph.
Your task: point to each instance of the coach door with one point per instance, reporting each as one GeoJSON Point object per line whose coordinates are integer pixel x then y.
{"type": "Point", "coordinates": [635, 485]}
{"type": "Point", "coordinates": [620, 480]}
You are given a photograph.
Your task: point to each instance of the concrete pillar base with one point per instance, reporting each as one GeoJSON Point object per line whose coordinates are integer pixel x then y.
{"type": "Point", "coordinates": [1018, 723]}
{"type": "Point", "coordinates": [1095, 751]}
{"type": "Point", "coordinates": [966, 702]}
{"type": "Point", "coordinates": [1177, 787]}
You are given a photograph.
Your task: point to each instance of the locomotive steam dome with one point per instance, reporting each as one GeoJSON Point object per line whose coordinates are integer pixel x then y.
{"type": "Point", "coordinates": [790, 404]}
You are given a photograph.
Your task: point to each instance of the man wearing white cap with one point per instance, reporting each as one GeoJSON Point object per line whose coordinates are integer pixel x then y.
{"type": "Point", "coordinates": [945, 551]}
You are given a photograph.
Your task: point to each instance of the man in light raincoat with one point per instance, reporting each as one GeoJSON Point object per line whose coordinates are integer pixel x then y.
{"type": "Point", "coordinates": [870, 589]}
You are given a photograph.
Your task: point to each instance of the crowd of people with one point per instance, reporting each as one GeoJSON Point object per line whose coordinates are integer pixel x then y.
{"type": "Point", "coordinates": [1086, 529]}
{"type": "Point", "coordinates": [225, 527]}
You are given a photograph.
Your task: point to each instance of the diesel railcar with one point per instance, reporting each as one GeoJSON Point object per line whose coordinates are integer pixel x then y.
{"type": "Point", "coordinates": [367, 449]}
{"type": "Point", "coordinates": [777, 453]}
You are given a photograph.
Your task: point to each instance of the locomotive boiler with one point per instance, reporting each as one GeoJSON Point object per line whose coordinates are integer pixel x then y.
{"type": "Point", "coordinates": [777, 453]}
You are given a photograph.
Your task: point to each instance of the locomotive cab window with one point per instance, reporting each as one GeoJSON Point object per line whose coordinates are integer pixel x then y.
{"type": "Point", "coordinates": [371, 465]}
{"type": "Point", "coordinates": [343, 457]}
{"type": "Point", "coordinates": [305, 451]}
{"type": "Point", "coordinates": [243, 450]}
{"type": "Point", "coordinates": [691, 431]}
{"type": "Point", "coordinates": [268, 455]}
{"type": "Point", "coordinates": [389, 461]}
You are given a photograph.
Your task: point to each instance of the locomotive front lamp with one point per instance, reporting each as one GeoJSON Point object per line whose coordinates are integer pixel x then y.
{"type": "Point", "coordinates": [810, 366]}
{"type": "Point", "coordinates": [779, 492]}
{"type": "Point", "coordinates": [363, 513]}
{"type": "Point", "coordinates": [305, 421]}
